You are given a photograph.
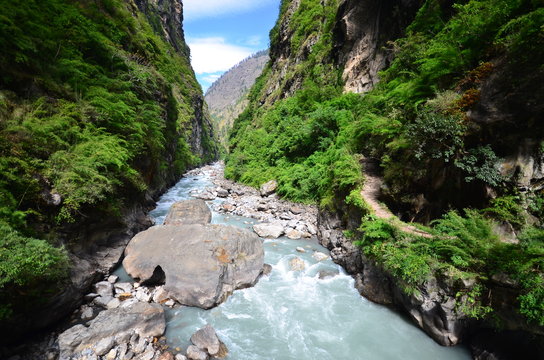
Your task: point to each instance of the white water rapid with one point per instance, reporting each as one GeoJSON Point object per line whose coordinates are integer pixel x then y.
{"type": "Point", "coordinates": [297, 315]}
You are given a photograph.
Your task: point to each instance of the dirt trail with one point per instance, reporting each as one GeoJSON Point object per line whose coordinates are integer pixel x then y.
{"type": "Point", "coordinates": [371, 193]}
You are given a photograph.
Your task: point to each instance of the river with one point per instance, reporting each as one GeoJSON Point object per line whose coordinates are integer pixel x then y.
{"type": "Point", "coordinates": [297, 315]}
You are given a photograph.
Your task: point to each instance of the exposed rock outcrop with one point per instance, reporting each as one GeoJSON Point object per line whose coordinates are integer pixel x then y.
{"type": "Point", "coordinates": [200, 265]}
{"type": "Point", "coordinates": [434, 306]}
{"type": "Point", "coordinates": [227, 97]}
{"type": "Point", "coordinates": [111, 327]}
{"type": "Point", "coordinates": [361, 34]}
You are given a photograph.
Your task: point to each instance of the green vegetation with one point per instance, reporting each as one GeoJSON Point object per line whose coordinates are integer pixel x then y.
{"type": "Point", "coordinates": [95, 108]}
{"type": "Point", "coordinates": [416, 121]}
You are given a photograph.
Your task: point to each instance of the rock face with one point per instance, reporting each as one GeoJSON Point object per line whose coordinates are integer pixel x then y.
{"type": "Point", "coordinates": [227, 97]}
{"type": "Point", "coordinates": [188, 212]}
{"type": "Point", "coordinates": [433, 309]}
{"type": "Point", "coordinates": [362, 30]}
{"type": "Point", "coordinates": [200, 265]}
{"type": "Point", "coordinates": [97, 241]}
{"type": "Point", "coordinates": [146, 320]}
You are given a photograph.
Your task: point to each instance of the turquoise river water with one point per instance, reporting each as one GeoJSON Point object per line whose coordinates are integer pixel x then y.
{"type": "Point", "coordinates": [297, 315]}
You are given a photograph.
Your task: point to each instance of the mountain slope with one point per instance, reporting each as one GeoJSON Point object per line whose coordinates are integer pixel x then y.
{"type": "Point", "coordinates": [449, 109]}
{"type": "Point", "coordinates": [227, 97]}
{"type": "Point", "coordinates": [100, 111]}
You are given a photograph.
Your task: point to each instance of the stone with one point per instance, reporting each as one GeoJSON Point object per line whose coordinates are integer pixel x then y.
{"type": "Point", "coordinates": [228, 207]}
{"type": "Point", "coordinates": [206, 339]}
{"type": "Point", "coordinates": [87, 313]}
{"type": "Point", "coordinates": [180, 357]}
{"type": "Point", "coordinates": [170, 303]}
{"type": "Point", "coordinates": [311, 229]}
{"type": "Point", "coordinates": [319, 256]}
{"type": "Point", "coordinates": [300, 250]}
{"type": "Point", "coordinates": [104, 288]}
{"type": "Point", "coordinates": [123, 288]}
{"type": "Point", "coordinates": [112, 279]}
{"type": "Point", "coordinates": [188, 212]}
{"type": "Point", "coordinates": [142, 294]}
{"type": "Point", "coordinates": [205, 195]}
{"type": "Point", "coordinates": [194, 353]}
{"type": "Point", "coordinates": [148, 355]}
{"type": "Point", "coordinates": [114, 303]}
{"type": "Point", "coordinates": [140, 346]}
{"type": "Point", "coordinates": [267, 269]}
{"type": "Point", "coordinates": [147, 320]}
{"type": "Point", "coordinates": [200, 265]}
{"type": "Point", "coordinates": [222, 193]}
{"type": "Point", "coordinates": [294, 234]}
{"type": "Point", "coordinates": [327, 274]}
{"type": "Point", "coordinates": [268, 188]}
{"type": "Point", "coordinates": [128, 302]}
{"type": "Point", "coordinates": [111, 355]}
{"type": "Point", "coordinates": [160, 295]}
{"type": "Point", "coordinates": [267, 230]}
{"type": "Point", "coordinates": [166, 356]}
{"type": "Point", "coordinates": [296, 210]}
{"type": "Point", "coordinates": [104, 345]}
{"type": "Point", "coordinates": [102, 301]}
{"type": "Point", "coordinates": [297, 264]}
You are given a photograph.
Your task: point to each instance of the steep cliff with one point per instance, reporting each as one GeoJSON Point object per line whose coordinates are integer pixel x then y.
{"type": "Point", "coordinates": [100, 111]}
{"type": "Point", "coordinates": [449, 111]}
{"type": "Point", "coordinates": [227, 97]}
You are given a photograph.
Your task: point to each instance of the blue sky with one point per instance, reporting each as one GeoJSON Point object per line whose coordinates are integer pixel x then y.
{"type": "Point", "coordinates": [221, 33]}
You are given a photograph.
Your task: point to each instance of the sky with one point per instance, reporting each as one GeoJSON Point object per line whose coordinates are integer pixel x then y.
{"type": "Point", "coordinates": [221, 33]}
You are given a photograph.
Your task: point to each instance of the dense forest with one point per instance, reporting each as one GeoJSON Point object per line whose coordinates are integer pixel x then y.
{"type": "Point", "coordinates": [454, 122]}
{"type": "Point", "coordinates": [99, 110]}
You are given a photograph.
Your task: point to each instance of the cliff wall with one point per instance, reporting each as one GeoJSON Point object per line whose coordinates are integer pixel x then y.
{"type": "Point", "coordinates": [100, 113]}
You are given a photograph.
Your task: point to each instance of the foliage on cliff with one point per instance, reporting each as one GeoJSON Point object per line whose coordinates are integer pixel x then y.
{"type": "Point", "coordinates": [420, 121]}
{"type": "Point", "coordinates": [96, 107]}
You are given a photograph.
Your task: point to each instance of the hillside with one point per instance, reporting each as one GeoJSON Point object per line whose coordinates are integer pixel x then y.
{"type": "Point", "coordinates": [227, 97]}
{"type": "Point", "coordinates": [445, 99]}
{"type": "Point", "coordinates": [100, 112]}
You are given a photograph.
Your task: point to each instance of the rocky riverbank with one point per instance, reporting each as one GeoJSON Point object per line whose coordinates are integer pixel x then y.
{"type": "Point", "coordinates": [124, 320]}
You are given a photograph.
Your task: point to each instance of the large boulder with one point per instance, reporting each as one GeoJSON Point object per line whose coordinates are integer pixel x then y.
{"type": "Point", "coordinates": [206, 340]}
{"type": "Point", "coordinates": [269, 188]}
{"type": "Point", "coordinates": [271, 231]}
{"type": "Point", "coordinates": [147, 320]}
{"type": "Point", "coordinates": [188, 212]}
{"type": "Point", "coordinates": [200, 265]}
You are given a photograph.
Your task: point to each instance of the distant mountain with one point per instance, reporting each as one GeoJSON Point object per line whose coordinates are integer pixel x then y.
{"type": "Point", "coordinates": [227, 97]}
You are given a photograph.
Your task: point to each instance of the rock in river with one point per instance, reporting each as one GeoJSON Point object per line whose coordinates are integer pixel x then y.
{"type": "Point", "coordinates": [206, 340]}
{"type": "Point", "coordinates": [272, 231]}
{"type": "Point", "coordinates": [188, 212]}
{"type": "Point", "coordinates": [200, 265]}
{"type": "Point", "coordinates": [144, 319]}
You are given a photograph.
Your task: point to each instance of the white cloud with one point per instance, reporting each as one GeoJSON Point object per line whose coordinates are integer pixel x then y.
{"type": "Point", "coordinates": [211, 55]}
{"type": "Point", "coordinates": [211, 78]}
{"type": "Point", "coordinates": [195, 9]}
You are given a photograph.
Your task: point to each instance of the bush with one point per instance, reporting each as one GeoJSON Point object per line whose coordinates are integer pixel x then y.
{"type": "Point", "coordinates": [28, 266]}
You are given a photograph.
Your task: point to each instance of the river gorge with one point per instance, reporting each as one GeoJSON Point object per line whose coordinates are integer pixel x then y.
{"type": "Point", "coordinates": [314, 313]}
